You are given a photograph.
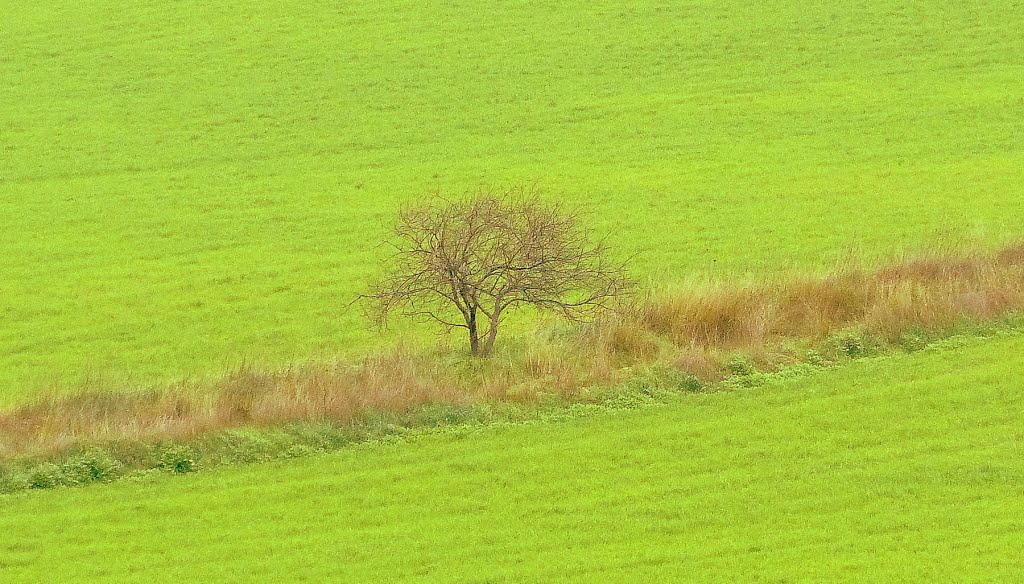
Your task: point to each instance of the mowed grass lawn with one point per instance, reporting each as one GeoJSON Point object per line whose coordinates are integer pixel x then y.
{"type": "Point", "coordinates": [906, 468]}
{"type": "Point", "coordinates": [187, 185]}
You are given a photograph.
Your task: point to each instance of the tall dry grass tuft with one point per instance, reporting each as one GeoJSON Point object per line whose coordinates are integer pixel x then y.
{"type": "Point", "coordinates": [724, 316]}
{"type": "Point", "coordinates": [697, 332]}
{"type": "Point", "coordinates": [699, 363]}
{"type": "Point", "coordinates": [812, 307]}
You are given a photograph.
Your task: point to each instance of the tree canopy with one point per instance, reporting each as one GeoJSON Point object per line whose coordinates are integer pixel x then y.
{"type": "Point", "coordinates": [465, 263]}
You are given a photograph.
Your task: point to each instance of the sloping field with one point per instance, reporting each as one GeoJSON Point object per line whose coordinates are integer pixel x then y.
{"type": "Point", "coordinates": [907, 468]}
{"type": "Point", "coordinates": [186, 185]}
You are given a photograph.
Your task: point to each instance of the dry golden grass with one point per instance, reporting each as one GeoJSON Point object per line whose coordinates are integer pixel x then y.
{"type": "Point", "coordinates": [694, 331]}
{"type": "Point", "coordinates": [930, 291]}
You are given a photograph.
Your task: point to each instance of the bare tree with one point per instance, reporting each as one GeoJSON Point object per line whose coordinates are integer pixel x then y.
{"type": "Point", "coordinates": [465, 263]}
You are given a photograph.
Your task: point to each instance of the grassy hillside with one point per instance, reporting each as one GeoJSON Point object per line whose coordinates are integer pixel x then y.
{"type": "Point", "coordinates": [184, 185]}
{"type": "Point", "coordinates": [895, 469]}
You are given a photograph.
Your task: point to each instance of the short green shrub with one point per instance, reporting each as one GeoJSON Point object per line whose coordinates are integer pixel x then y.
{"type": "Point", "coordinates": [91, 466]}
{"type": "Point", "coordinates": [740, 366]}
{"type": "Point", "coordinates": [816, 358]}
{"type": "Point", "coordinates": [630, 400]}
{"type": "Point", "coordinates": [178, 459]}
{"type": "Point", "coordinates": [320, 436]}
{"type": "Point", "coordinates": [301, 450]}
{"type": "Point", "coordinates": [45, 475]}
{"type": "Point", "coordinates": [652, 383]}
{"type": "Point", "coordinates": [914, 340]}
{"type": "Point", "coordinates": [850, 344]}
{"type": "Point", "coordinates": [689, 383]}
{"type": "Point", "coordinates": [249, 445]}
{"type": "Point", "coordinates": [440, 414]}
{"type": "Point", "coordinates": [12, 481]}
{"type": "Point", "coordinates": [664, 377]}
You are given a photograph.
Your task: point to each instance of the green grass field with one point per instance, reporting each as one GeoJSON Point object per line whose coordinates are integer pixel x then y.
{"type": "Point", "coordinates": [184, 186]}
{"type": "Point", "coordinates": [905, 468]}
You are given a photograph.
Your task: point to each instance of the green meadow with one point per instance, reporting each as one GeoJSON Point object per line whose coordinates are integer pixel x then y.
{"type": "Point", "coordinates": [184, 186]}
{"type": "Point", "coordinates": [189, 186]}
{"type": "Point", "coordinates": [904, 468]}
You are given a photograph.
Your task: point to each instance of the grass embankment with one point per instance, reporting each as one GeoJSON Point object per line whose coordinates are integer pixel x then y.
{"type": "Point", "coordinates": [181, 182]}
{"type": "Point", "coordinates": [679, 340]}
{"type": "Point", "coordinates": [899, 468]}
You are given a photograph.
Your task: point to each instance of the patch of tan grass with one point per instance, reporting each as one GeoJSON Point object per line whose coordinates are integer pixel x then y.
{"type": "Point", "coordinates": [929, 290]}
{"type": "Point", "coordinates": [694, 331]}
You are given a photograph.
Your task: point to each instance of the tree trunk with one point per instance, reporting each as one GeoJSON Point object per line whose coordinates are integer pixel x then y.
{"type": "Point", "coordinates": [492, 333]}
{"type": "Point", "coordinates": [474, 336]}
